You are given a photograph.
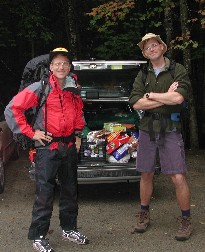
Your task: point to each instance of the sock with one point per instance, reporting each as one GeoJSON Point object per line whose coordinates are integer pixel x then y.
{"type": "Point", "coordinates": [185, 213]}
{"type": "Point", "coordinates": [145, 208]}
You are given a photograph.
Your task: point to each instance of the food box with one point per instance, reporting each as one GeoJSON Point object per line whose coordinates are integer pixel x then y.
{"type": "Point", "coordinates": [116, 143]}
{"type": "Point", "coordinates": [113, 127]}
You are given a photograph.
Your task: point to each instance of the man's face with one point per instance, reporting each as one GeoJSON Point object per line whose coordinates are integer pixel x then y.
{"type": "Point", "coordinates": [60, 67]}
{"type": "Point", "coordinates": [152, 49]}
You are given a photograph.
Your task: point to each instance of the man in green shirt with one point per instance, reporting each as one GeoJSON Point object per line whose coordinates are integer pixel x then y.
{"type": "Point", "coordinates": [161, 98]}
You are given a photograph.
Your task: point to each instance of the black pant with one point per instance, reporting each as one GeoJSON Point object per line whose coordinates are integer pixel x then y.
{"type": "Point", "coordinates": [49, 164]}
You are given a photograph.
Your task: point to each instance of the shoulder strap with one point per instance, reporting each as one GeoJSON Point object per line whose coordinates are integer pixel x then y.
{"type": "Point", "coordinates": [41, 101]}
{"type": "Point", "coordinates": [144, 71]}
{"type": "Point", "coordinates": [172, 68]}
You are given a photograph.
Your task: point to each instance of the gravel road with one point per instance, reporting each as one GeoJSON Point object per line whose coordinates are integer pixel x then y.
{"type": "Point", "coordinates": [106, 214]}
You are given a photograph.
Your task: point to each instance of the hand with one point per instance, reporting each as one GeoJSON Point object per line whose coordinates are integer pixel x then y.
{"type": "Point", "coordinates": [42, 136]}
{"type": "Point", "coordinates": [78, 143]}
{"type": "Point", "coordinates": [173, 86]}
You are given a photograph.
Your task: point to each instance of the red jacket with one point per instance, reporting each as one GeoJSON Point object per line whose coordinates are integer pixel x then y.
{"type": "Point", "coordinates": [64, 110]}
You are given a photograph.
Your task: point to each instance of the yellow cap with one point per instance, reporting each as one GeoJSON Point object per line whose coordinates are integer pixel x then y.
{"type": "Point", "coordinates": [59, 50]}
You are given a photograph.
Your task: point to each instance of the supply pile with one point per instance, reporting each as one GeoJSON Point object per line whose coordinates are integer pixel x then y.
{"type": "Point", "coordinates": [115, 143]}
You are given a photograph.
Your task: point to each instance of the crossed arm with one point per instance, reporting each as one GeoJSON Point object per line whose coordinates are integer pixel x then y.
{"type": "Point", "coordinates": [155, 100]}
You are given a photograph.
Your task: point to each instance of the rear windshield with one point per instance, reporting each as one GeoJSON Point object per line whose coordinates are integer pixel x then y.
{"type": "Point", "coordinates": [108, 83]}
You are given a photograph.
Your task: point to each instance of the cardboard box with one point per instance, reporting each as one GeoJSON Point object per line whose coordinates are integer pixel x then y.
{"type": "Point", "coordinates": [116, 143]}
{"type": "Point", "coordinates": [113, 127]}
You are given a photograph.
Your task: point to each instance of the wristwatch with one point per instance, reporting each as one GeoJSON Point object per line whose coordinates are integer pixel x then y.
{"type": "Point", "coordinates": [147, 95]}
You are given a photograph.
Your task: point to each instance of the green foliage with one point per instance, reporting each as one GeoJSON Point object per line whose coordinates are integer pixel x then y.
{"type": "Point", "coordinates": [6, 36]}
{"type": "Point", "coordinates": [118, 46]}
{"type": "Point", "coordinates": [31, 22]}
{"type": "Point", "coordinates": [183, 42]}
{"type": "Point", "coordinates": [147, 16]}
{"type": "Point", "coordinates": [23, 20]}
{"type": "Point", "coordinates": [110, 14]}
{"type": "Point", "coordinates": [125, 17]}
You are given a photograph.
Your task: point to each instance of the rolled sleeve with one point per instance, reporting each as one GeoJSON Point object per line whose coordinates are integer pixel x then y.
{"type": "Point", "coordinates": [183, 80]}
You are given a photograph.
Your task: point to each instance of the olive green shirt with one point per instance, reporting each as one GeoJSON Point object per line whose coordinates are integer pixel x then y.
{"type": "Point", "coordinates": [161, 84]}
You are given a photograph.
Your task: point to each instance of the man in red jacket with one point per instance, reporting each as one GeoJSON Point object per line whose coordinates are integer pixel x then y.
{"type": "Point", "coordinates": [55, 132]}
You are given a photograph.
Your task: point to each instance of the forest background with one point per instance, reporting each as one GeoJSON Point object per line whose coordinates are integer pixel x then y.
{"type": "Point", "coordinates": [105, 29]}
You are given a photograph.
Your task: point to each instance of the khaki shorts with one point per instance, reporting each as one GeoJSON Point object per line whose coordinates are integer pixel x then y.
{"type": "Point", "coordinates": [171, 153]}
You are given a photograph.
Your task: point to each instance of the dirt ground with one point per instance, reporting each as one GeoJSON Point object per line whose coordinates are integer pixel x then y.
{"type": "Point", "coordinates": [106, 213]}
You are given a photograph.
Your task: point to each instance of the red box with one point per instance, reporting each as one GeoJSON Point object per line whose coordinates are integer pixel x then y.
{"type": "Point", "coordinates": [116, 143]}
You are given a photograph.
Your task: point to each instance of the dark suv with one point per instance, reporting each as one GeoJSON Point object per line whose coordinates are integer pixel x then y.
{"type": "Point", "coordinates": [105, 88]}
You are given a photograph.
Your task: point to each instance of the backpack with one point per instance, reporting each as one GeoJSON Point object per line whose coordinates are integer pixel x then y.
{"type": "Point", "coordinates": [37, 69]}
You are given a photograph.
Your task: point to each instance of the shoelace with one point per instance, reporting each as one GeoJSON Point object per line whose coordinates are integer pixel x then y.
{"type": "Point", "coordinates": [185, 222]}
{"type": "Point", "coordinates": [77, 234]}
{"type": "Point", "coordinates": [142, 216]}
{"type": "Point", "coordinates": [44, 242]}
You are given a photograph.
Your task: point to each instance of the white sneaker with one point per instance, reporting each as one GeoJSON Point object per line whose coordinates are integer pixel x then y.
{"type": "Point", "coordinates": [75, 236]}
{"type": "Point", "coordinates": [42, 245]}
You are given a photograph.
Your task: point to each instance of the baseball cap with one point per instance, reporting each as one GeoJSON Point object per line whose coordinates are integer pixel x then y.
{"type": "Point", "coordinates": [149, 36]}
{"type": "Point", "coordinates": [59, 50]}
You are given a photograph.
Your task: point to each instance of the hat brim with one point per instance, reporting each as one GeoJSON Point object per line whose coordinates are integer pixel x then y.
{"type": "Point", "coordinates": [157, 37]}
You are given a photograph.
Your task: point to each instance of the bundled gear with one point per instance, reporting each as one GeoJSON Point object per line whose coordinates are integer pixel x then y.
{"type": "Point", "coordinates": [37, 69]}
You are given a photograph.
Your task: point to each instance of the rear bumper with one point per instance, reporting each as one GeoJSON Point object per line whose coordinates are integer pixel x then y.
{"type": "Point", "coordinates": [95, 173]}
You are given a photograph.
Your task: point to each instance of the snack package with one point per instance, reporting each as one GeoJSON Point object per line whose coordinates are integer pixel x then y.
{"type": "Point", "coordinates": [94, 150]}
{"type": "Point", "coordinates": [125, 159]}
{"type": "Point", "coordinates": [113, 135]}
{"type": "Point", "coordinates": [121, 152]}
{"type": "Point", "coordinates": [113, 127]}
{"type": "Point", "coordinates": [97, 136]}
{"type": "Point", "coordinates": [133, 142]}
{"type": "Point", "coordinates": [116, 143]}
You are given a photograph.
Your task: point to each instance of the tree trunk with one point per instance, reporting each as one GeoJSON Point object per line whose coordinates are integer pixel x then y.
{"type": "Point", "coordinates": [193, 129]}
{"type": "Point", "coordinates": [168, 25]}
{"type": "Point", "coordinates": [69, 8]}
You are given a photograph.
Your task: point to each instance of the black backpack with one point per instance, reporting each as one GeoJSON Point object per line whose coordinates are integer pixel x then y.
{"type": "Point", "coordinates": [35, 70]}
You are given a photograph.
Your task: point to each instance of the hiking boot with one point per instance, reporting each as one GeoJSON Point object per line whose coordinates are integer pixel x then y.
{"type": "Point", "coordinates": [42, 245]}
{"type": "Point", "coordinates": [142, 223]}
{"type": "Point", "coordinates": [75, 236]}
{"type": "Point", "coordinates": [185, 229]}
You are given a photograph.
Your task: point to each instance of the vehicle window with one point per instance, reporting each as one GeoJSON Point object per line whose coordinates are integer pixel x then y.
{"type": "Point", "coordinates": [108, 83]}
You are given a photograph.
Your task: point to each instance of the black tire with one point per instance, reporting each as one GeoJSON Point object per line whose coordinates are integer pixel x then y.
{"type": "Point", "coordinates": [2, 177]}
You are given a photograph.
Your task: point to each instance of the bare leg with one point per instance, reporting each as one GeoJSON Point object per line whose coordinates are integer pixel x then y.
{"type": "Point", "coordinates": [146, 187]}
{"type": "Point", "coordinates": [182, 191]}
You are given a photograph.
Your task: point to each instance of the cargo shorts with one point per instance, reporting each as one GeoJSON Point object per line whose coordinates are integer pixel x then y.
{"type": "Point", "coordinates": [171, 153]}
